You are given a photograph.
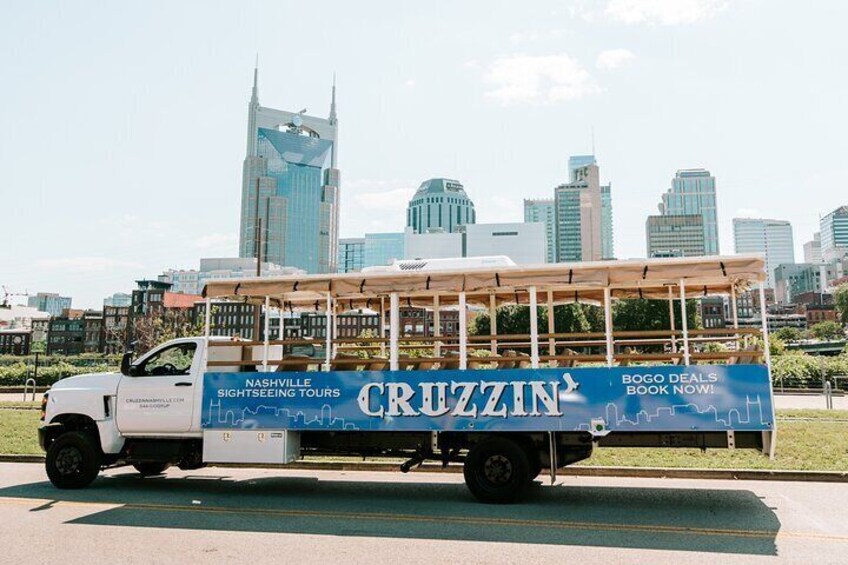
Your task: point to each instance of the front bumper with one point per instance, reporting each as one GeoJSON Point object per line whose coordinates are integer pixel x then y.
{"type": "Point", "coordinates": [46, 431]}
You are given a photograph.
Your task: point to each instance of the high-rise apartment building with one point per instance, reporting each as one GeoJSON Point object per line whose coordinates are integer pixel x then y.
{"type": "Point", "coordinates": [440, 205]}
{"type": "Point", "coordinates": [834, 234]}
{"type": "Point", "coordinates": [812, 249]}
{"type": "Point", "coordinates": [693, 191]}
{"type": "Point", "coordinates": [49, 302]}
{"type": "Point", "coordinates": [772, 238]}
{"type": "Point", "coordinates": [290, 187]}
{"type": "Point", "coordinates": [541, 210]}
{"type": "Point", "coordinates": [675, 236]}
{"type": "Point", "coordinates": [577, 209]}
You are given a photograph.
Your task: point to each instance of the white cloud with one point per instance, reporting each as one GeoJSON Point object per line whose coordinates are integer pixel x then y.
{"type": "Point", "coordinates": [471, 64]}
{"type": "Point", "coordinates": [663, 12]}
{"type": "Point", "coordinates": [525, 79]}
{"type": "Point", "coordinates": [532, 36]}
{"type": "Point", "coordinates": [614, 58]}
{"type": "Point", "coordinates": [216, 241]}
{"type": "Point", "coordinates": [385, 200]}
{"type": "Point", "coordinates": [409, 83]}
{"type": "Point", "coordinates": [87, 264]}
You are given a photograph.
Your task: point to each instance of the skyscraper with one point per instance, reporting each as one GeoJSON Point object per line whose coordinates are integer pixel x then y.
{"type": "Point", "coordinates": [773, 238]}
{"type": "Point", "coordinates": [834, 234]}
{"type": "Point", "coordinates": [290, 187]}
{"type": "Point", "coordinates": [579, 219]}
{"type": "Point", "coordinates": [541, 210]}
{"type": "Point", "coordinates": [440, 205]}
{"type": "Point", "coordinates": [693, 191]}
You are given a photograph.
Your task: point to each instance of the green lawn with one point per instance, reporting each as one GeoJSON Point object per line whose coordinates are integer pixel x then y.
{"type": "Point", "coordinates": [18, 432]}
{"type": "Point", "coordinates": [817, 443]}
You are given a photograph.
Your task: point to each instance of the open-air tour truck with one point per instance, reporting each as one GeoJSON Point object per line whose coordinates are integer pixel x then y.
{"type": "Point", "coordinates": [505, 406]}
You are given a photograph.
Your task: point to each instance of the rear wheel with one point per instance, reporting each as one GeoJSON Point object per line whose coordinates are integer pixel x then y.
{"type": "Point", "coordinates": [150, 469]}
{"type": "Point", "coordinates": [497, 470]}
{"type": "Point", "coordinates": [73, 460]}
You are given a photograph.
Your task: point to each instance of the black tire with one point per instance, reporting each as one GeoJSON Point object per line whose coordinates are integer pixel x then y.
{"type": "Point", "coordinates": [150, 469]}
{"type": "Point", "coordinates": [73, 460]}
{"type": "Point", "coordinates": [497, 471]}
{"type": "Point", "coordinates": [535, 461]}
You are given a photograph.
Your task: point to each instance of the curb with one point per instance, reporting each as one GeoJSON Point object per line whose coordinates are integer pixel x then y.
{"type": "Point", "coordinates": [586, 471]}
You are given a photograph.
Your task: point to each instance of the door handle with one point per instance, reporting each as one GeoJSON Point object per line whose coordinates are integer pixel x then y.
{"type": "Point", "coordinates": [183, 384]}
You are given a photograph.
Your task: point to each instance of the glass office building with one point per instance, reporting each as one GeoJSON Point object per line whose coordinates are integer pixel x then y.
{"type": "Point", "coordinates": [290, 188]}
{"type": "Point", "coordinates": [542, 210]}
{"type": "Point", "coordinates": [607, 248]}
{"type": "Point", "coordinates": [834, 234]}
{"type": "Point", "coordinates": [675, 236]}
{"type": "Point", "coordinates": [772, 238]}
{"type": "Point", "coordinates": [693, 191]}
{"type": "Point", "coordinates": [383, 248]}
{"type": "Point", "coordinates": [351, 254]}
{"type": "Point", "coordinates": [440, 205]}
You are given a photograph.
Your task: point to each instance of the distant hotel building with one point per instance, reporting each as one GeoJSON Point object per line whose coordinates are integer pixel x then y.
{"type": "Point", "coordinates": [440, 205]}
{"type": "Point", "coordinates": [693, 191]}
{"type": "Point", "coordinates": [49, 302]}
{"type": "Point", "coordinates": [293, 156]}
{"type": "Point", "coordinates": [675, 236]}
{"type": "Point", "coordinates": [772, 238]}
{"type": "Point", "coordinates": [541, 210]}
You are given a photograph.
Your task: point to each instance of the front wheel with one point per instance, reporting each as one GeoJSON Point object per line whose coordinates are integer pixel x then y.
{"type": "Point", "coordinates": [73, 460]}
{"type": "Point", "coordinates": [497, 470]}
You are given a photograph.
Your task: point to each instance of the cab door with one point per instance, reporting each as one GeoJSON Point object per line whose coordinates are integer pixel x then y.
{"type": "Point", "coordinates": [158, 394]}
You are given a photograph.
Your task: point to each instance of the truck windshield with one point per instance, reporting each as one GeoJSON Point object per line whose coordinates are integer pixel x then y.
{"type": "Point", "coordinates": [174, 360]}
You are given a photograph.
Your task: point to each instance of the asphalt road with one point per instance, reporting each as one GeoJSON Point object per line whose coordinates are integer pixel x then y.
{"type": "Point", "coordinates": [263, 516]}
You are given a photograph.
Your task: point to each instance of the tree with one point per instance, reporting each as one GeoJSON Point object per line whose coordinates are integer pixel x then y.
{"type": "Point", "coordinates": [642, 314]}
{"type": "Point", "coordinates": [840, 297]}
{"type": "Point", "coordinates": [828, 330]}
{"type": "Point", "coordinates": [151, 330]}
{"type": "Point", "coordinates": [637, 314]}
{"type": "Point", "coordinates": [788, 334]}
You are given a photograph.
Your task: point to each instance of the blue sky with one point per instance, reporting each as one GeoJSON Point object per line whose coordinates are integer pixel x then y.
{"type": "Point", "coordinates": [123, 124]}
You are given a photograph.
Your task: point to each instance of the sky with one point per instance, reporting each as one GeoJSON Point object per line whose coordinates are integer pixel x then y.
{"type": "Point", "coordinates": [123, 125]}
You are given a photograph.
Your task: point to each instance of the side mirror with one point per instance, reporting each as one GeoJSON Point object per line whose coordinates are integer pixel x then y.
{"type": "Point", "coordinates": [126, 363]}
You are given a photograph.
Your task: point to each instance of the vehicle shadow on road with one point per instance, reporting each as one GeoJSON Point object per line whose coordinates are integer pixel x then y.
{"type": "Point", "coordinates": [705, 520]}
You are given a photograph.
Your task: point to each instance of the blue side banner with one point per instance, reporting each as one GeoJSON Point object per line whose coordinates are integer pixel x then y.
{"type": "Point", "coordinates": [639, 398]}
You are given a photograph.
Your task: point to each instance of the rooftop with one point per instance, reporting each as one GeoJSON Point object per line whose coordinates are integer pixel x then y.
{"type": "Point", "coordinates": [436, 186]}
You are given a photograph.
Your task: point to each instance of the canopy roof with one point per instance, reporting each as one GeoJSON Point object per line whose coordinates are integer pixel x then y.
{"type": "Point", "coordinates": [566, 282]}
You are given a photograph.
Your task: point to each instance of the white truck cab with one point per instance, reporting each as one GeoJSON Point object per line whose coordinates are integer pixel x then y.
{"type": "Point", "coordinates": [155, 397]}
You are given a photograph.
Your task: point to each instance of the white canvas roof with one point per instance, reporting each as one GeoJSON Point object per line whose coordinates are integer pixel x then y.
{"type": "Point", "coordinates": [567, 282]}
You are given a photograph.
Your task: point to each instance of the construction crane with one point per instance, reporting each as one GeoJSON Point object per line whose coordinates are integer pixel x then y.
{"type": "Point", "coordinates": [7, 294]}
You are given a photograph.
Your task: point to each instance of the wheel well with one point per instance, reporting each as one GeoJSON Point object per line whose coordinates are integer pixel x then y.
{"type": "Point", "coordinates": [72, 423]}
